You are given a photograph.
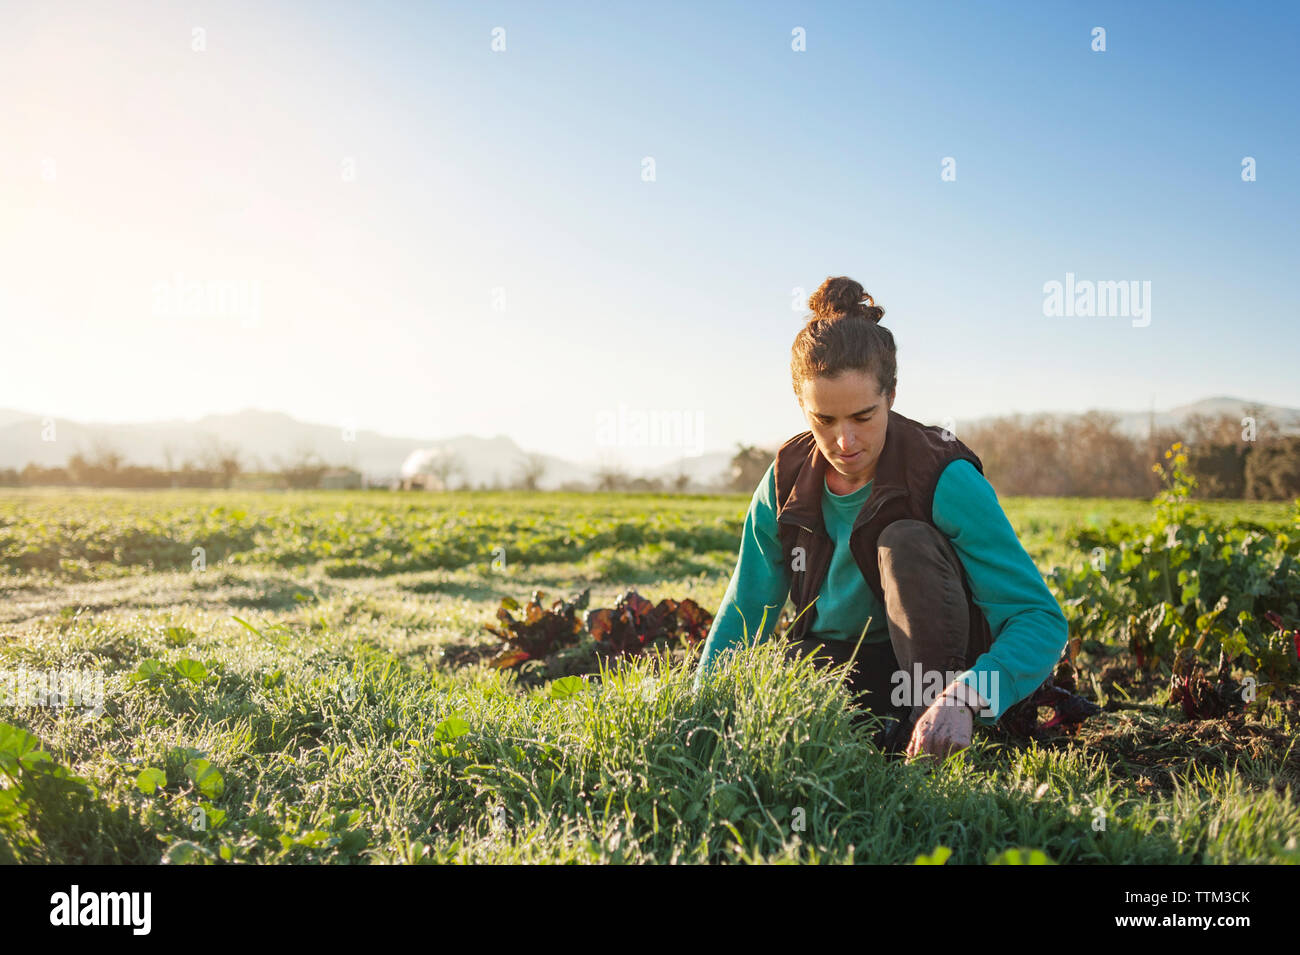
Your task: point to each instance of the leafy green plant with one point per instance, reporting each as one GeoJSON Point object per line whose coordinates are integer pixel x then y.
{"type": "Point", "coordinates": [155, 672]}
{"type": "Point", "coordinates": [1186, 583]}
{"type": "Point", "coordinates": [150, 780]}
{"type": "Point", "coordinates": [447, 732]}
{"type": "Point", "coordinates": [1016, 856]}
{"type": "Point", "coordinates": [566, 687]}
{"type": "Point", "coordinates": [938, 857]}
{"type": "Point", "coordinates": [205, 777]}
{"type": "Point", "coordinates": [1174, 502]}
{"type": "Point", "coordinates": [1020, 857]}
{"type": "Point", "coordinates": [39, 794]}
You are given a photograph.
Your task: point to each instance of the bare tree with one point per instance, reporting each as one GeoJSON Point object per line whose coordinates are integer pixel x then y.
{"type": "Point", "coordinates": [611, 478]}
{"type": "Point", "coordinates": [1021, 455]}
{"type": "Point", "coordinates": [105, 456]}
{"type": "Point", "coordinates": [221, 458]}
{"type": "Point", "coordinates": [303, 467]}
{"type": "Point", "coordinates": [748, 467]}
{"type": "Point", "coordinates": [530, 471]}
{"type": "Point", "coordinates": [446, 466]}
{"type": "Point", "coordinates": [1099, 460]}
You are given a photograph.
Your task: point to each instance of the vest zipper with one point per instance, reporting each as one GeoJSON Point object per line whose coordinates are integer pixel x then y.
{"type": "Point", "coordinates": [884, 498]}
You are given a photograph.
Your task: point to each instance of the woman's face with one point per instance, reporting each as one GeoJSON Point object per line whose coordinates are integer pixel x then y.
{"type": "Point", "coordinates": [848, 416]}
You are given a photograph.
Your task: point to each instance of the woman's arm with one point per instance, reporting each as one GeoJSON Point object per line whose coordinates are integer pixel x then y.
{"type": "Point", "coordinates": [1029, 630]}
{"type": "Point", "coordinates": [760, 579]}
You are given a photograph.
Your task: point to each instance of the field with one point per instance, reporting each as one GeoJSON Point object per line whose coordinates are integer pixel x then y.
{"type": "Point", "coordinates": [302, 677]}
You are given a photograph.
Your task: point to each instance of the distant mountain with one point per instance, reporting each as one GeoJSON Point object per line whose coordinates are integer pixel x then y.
{"type": "Point", "coordinates": [266, 440]}
{"type": "Point", "coordinates": [1136, 424]}
{"type": "Point", "coordinates": [707, 470]}
{"type": "Point", "coordinates": [8, 417]}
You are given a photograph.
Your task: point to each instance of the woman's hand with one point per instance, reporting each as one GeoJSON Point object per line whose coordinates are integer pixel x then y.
{"type": "Point", "coordinates": [947, 725]}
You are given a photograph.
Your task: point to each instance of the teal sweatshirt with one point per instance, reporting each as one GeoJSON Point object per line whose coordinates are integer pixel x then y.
{"type": "Point", "coordinates": [1029, 630]}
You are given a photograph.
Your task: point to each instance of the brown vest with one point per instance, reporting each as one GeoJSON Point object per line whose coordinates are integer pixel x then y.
{"type": "Point", "coordinates": [907, 472]}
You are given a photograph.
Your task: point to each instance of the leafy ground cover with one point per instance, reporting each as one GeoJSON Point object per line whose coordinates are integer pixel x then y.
{"type": "Point", "coordinates": [313, 684]}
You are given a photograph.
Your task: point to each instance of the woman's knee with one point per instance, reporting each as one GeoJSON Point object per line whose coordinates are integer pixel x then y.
{"type": "Point", "coordinates": [908, 533]}
{"type": "Point", "coordinates": [915, 544]}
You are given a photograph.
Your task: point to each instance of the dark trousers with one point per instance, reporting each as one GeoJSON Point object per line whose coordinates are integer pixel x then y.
{"type": "Point", "coordinates": [924, 586]}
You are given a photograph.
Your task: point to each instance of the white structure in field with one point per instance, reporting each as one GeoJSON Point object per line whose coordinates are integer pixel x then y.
{"type": "Point", "coordinates": [428, 469]}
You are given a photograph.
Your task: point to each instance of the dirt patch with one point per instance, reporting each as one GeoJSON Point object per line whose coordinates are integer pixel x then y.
{"type": "Point", "coordinates": [1148, 747]}
{"type": "Point", "coordinates": [466, 654]}
{"type": "Point", "coordinates": [582, 659]}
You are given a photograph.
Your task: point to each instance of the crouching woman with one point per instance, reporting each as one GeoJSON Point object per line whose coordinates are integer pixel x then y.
{"type": "Point", "coordinates": [892, 546]}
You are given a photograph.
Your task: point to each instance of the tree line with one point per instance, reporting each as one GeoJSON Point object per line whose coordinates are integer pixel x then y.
{"type": "Point", "coordinates": [1087, 455]}
{"type": "Point", "coordinates": [217, 466]}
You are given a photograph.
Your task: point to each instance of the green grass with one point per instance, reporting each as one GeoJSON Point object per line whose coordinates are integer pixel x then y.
{"type": "Point", "coordinates": [340, 733]}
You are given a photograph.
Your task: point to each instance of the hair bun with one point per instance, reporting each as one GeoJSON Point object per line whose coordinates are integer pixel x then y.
{"type": "Point", "coordinates": [840, 297]}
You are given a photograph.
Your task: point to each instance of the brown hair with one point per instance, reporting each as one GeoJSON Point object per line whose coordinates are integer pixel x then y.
{"type": "Point", "coordinates": [843, 333]}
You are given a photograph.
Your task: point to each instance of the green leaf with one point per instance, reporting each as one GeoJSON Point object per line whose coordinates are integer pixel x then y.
{"type": "Point", "coordinates": [37, 757]}
{"type": "Point", "coordinates": [150, 780]}
{"type": "Point", "coordinates": [16, 742]}
{"type": "Point", "coordinates": [723, 801]}
{"type": "Point", "coordinates": [10, 810]}
{"type": "Point", "coordinates": [344, 819]}
{"type": "Point", "coordinates": [187, 853]}
{"type": "Point", "coordinates": [450, 728]}
{"type": "Point", "coordinates": [192, 670]}
{"type": "Point", "coordinates": [151, 671]}
{"type": "Point", "coordinates": [566, 687]}
{"type": "Point", "coordinates": [215, 816]}
{"type": "Point", "coordinates": [938, 857]}
{"type": "Point", "coordinates": [352, 841]}
{"type": "Point", "coordinates": [1021, 857]}
{"type": "Point", "coordinates": [205, 777]}
{"type": "Point", "coordinates": [1234, 645]}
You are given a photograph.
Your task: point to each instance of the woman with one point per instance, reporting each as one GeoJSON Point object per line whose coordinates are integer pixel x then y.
{"type": "Point", "coordinates": [892, 546]}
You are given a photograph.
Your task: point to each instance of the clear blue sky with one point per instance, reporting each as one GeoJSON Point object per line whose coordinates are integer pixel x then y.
{"type": "Point", "coordinates": [522, 170]}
